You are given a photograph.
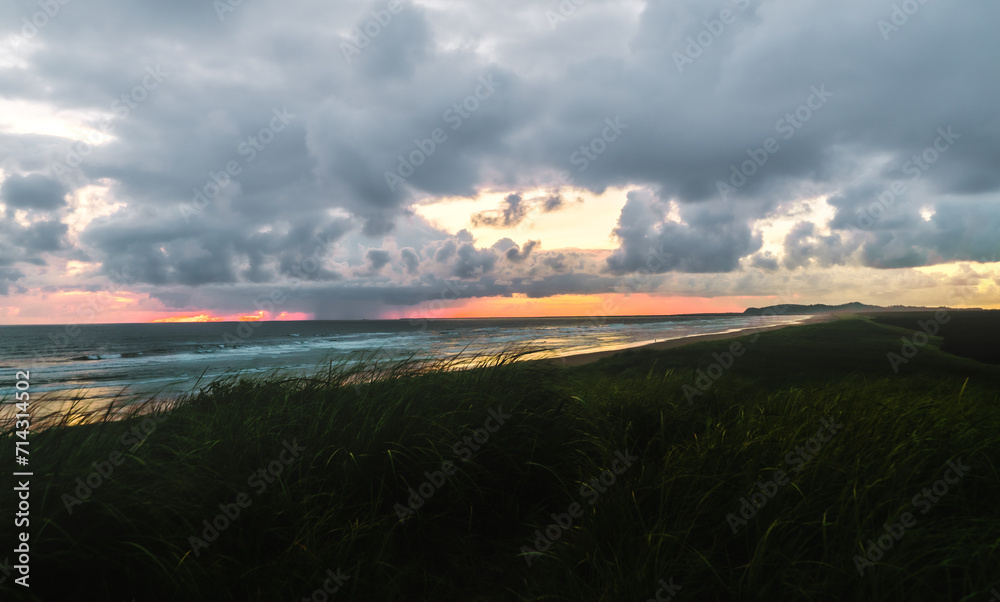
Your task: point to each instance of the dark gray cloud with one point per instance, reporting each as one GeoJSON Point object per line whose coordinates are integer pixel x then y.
{"type": "Point", "coordinates": [30, 244]}
{"type": "Point", "coordinates": [556, 262]}
{"type": "Point", "coordinates": [518, 255]}
{"type": "Point", "coordinates": [407, 44]}
{"type": "Point", "coordinates": [511, 214]}
{"type": "Point", "coordinates": [472, 262]}
{"type": "Point", "coordinates": [803, 244]}
{"type": "Point", "coordinates": [164, 250]}
{"type": "Point", "coordinates": [966, 230]}
{"type": "Point", "coordinates": [445, 251]}
{"type": "Point", "coordinates": [515, 210]}
{"type": "Point", "coordinates": [552, 203]}
{"type": "Point", "coordinates": [504, 244]}
{"type": "Point", "coordinates": [354, 300]}
{"type": "Point", "coordinates": [8, 276]}
{"type": "Point", "coordinates": [765, 261]}
{"type": "Point", "coordinates": [42, 237]}
{"type": "Point", "coordinates": [410, 259]}
{"type": "Point", "coordinates": [33, 191]}
{"type": "Point", "coordinates": [377, 259]}
{"type": "Point", "coordinates": [713, 238]}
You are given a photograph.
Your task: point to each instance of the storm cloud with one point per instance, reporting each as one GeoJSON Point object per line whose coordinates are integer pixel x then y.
{"type": "Point", "coordinates": [33, 191]}
{"type": "Point", "coordinates": [207, 150]}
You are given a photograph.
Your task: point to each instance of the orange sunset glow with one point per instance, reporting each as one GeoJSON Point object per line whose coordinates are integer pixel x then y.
{"type": "Point", "coordinates": [611, 304]}
{"type": "Point", "coordinates": [198, 318]}
{"type": "Point", "coordinates": [260, 316]}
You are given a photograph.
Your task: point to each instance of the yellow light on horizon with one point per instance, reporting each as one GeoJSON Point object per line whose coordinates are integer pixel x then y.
{"type": "Point", "coordinates": [189, 319]}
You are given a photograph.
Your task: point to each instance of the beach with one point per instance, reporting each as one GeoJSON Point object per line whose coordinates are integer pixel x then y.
{"type": "Point", "coordinates": [579, 359]}
{"type": "Point", "coordinates": [99, 363]}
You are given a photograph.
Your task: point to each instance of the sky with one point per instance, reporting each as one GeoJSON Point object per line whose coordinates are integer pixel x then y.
{"type": "Point", "coordinates": [243, 159]}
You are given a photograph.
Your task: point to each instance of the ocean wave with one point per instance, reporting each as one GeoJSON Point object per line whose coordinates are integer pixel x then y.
{"type": "Point", "coordinates": [95, 357]}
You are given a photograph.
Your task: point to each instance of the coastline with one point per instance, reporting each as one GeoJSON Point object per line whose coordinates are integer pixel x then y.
{"type": "Point", "coordinates": [580, 359]}
{"type": "Point", "coordinates": [395, 462]}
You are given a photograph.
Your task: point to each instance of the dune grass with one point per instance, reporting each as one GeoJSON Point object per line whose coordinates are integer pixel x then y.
{"type": "Point", "coordinates": [352, 445]}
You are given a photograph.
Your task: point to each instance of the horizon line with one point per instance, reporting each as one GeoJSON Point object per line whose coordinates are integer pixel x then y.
{"type": "Point", "coordinates": [606, 316]}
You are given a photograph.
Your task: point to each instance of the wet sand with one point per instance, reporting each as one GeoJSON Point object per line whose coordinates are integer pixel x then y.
{"type": "Point", "coordinates": [580, 359]}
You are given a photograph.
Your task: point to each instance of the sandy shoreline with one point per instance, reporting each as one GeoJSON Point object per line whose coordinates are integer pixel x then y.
{"type": "Point", "coordinates": [580, 359]}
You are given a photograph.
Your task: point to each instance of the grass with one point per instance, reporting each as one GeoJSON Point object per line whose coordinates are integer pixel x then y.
{"type": "Point", "coordinates": [372, 435]}
{"type": "Point", "coordinates": [970, 334]}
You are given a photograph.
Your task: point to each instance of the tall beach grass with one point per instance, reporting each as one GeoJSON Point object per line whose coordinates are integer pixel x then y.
{"type": "Point", "coordinates": [370, 436]}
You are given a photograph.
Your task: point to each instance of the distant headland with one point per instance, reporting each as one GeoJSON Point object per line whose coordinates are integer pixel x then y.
{"type": "Point", "coordinates": [821, 308]}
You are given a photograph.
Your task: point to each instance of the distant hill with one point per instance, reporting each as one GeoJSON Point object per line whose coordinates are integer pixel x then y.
{"type": "Point", "coordinates": [820, 308]}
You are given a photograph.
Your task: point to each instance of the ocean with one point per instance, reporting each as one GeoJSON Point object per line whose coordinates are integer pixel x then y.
{"type": "Point", "coordinates": [101, 361]}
